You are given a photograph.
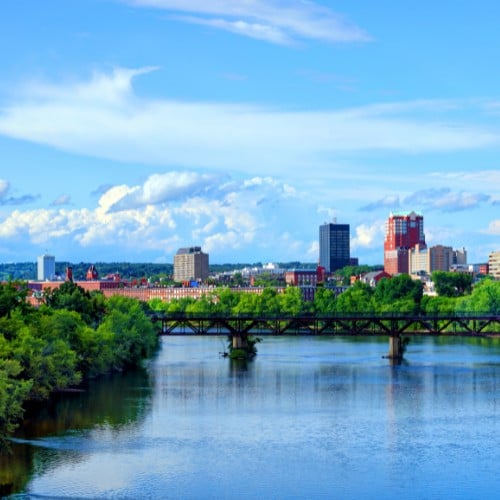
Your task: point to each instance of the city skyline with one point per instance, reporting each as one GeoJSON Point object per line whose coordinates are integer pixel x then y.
{"type": "Point", "coordinates": [130, 128]}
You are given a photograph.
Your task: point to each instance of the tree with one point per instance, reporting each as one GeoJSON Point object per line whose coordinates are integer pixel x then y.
{"type": "Point", "coordinates": [132, 332]}
{"type": "Point", "coordinates": [227, 300]}
{"type": "Point", "coordinates": [12, 297]}
{"type": "Point", "coordinates": [50, 364]}
{"type": "Point", "coordinates": [451, 284]}
{"type": "Point", "coordinates": [291, 302]}
{"type": "Point", "coordinates": [358, 298]}
{"type": "Point", "coordinates": [398, 294]}
{"type": "Point", "coordinates": [438, 305]}
{"type": "Point", "coordinates": [324, 301]}
{"type": "Point", "coordinates": [13, 393]}
{"type": "Point", "coordinates": [72, 297]}
{"type": "Point", "coordinates": [485, 298]}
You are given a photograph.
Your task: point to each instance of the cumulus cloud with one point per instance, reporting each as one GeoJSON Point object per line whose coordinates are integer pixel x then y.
{"type": "Point", "coordinates": [164, 188]}
{"type": "Point", "coordinates": [166, 211]}
{"type": "Point", "coordinates": [275, 21]}
{"type": "Point", "coordinates": [104, 118]}
{"type": "Point", "coordinates": [368, 235]}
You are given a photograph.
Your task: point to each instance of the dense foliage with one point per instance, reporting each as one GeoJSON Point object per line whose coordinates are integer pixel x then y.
{"type": "Point", "coordinates": [75, 336]}
{"type": "Point", "coordinates": [399, 294]}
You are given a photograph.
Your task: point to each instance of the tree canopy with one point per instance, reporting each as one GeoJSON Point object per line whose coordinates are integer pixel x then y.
{"type": "Point", "coordinates": [76, 335]}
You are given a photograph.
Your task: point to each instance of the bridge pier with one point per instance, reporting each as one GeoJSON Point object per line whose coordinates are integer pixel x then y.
{"type": "Point", "coordinates": [395, 347]}
{"type": "Point", "coordinates": [240, 342]}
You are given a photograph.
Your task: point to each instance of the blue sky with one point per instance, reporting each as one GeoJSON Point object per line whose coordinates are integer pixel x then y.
{"type": "Point", "coordinates": [130, 128]}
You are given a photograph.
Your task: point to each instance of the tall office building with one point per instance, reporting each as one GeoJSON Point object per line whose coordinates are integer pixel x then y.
{"type": "Point", "coordinates": [46, 267]}
{"type": "Point", "coordinates": [190, 264]}
{"type": "Point", "coordinates": [403, 231]}
{"type": "Point", "coordinates": [334, 246]}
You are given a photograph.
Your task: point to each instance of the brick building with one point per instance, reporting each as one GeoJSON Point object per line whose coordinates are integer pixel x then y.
{"type": "Point", "coordinates": [403, 231]}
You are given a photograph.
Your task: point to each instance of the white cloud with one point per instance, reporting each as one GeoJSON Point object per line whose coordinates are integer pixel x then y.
{"type": "Point", "coordinates": [275, 21]}
{"type": "Point", "coordinates": [167, 210]}
{"type": "Point", "coordinates": [368, 236]}
{"type": "Point", "coordinates": [252, 30]}
{"type": "Point", "coordinates": [163, 188]}
{"type": "Point", "coordinates": [104, 118]}
{"type": "Point", "coordinates": [493, 228]}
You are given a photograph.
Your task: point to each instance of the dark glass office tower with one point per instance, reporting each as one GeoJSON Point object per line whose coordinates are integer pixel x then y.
{"type": "Point", "coordinates": [334, 246]}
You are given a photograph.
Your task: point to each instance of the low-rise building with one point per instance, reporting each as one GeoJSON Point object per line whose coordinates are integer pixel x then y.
{"type": "Point", "coordinates": [372, 278]}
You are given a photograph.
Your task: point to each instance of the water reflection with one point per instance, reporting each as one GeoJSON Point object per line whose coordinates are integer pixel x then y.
{"type": "Point", "coordinates": [308, 417]}
{"type": "Point", "coordinates": [114, 403]}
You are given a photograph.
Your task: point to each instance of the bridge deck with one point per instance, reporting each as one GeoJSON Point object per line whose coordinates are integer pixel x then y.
{"type": "Point", "coordinates": [347, 324]}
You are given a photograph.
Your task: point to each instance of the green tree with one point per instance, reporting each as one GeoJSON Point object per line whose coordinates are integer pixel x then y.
{"type": "Point", "coordinates": [13, 297]}
{"type": "Point", "coordinates": [133, 334]}
{"type": "Point", "coordinates": [485, 298]}
{"type": "Point", "coordinates": [324, 301]}
{"type": "Point", "coordinates": [357, 298]}
{"type": "Point", "coordinates": [247, 303]}
{"type": "Point", "coordinates": [227, 300]}
{"type": "Point", "coordinates": [438, 305]}
{"type": "Point", "coordinates": [13, 393]}
{"type": "Point", "coordinates": [451, 284]}
{"type": "Point", "coordinates": [267, 303]}
{"type": "Point", "coordinates": [398, 294]}
{"type": "Point", "coordinates": [72, 297]}
{"type": "Point", "coordinates": [49, 363]}
{"type": "Point", "coordinates": [291, 302]}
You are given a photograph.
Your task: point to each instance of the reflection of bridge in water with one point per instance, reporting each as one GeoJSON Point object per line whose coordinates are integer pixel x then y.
{"type": "Point", "coordinates": [392, 325]}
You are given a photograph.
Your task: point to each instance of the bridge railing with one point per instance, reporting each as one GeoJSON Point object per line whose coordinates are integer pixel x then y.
{"type": "Point", "coordinates": [320, 316]}
{"type": "Point", "coordinates": [392, 324]}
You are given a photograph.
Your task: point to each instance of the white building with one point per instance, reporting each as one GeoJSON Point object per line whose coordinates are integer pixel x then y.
{"type": "Point", "coordinates": [494, 264]}
{"type": "Point", "coordinates": [46, 267]}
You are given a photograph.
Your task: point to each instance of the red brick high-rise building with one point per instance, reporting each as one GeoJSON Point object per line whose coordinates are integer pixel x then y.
{"type": "Point", "coordinates": [402, 232]}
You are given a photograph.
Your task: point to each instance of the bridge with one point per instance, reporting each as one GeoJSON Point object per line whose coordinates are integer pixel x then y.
{"type": "Point", "coordinates": [392, 325]}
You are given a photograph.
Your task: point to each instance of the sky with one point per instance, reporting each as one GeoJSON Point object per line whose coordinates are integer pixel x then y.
{"type": "Point", "coordinates": [131, 128]}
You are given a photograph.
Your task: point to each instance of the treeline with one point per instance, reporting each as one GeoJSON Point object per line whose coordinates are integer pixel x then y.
{"type": "Point", "coordinates": [75, 336]}
{"type": "Point", "coordinates": [399, 294]}
{"type": "Point", "coordinates": [127, 270]}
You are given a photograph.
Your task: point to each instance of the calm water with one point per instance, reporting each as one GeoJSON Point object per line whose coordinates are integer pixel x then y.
{"type": "Point", "coordinates": [308, 418]}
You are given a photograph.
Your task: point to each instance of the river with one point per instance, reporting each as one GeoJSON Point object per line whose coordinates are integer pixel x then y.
{"type": "Point", "coordinates": [309, 417]}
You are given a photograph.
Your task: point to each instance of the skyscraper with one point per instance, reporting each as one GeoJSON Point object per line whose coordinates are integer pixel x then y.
{"type": "Point", "coordinates": [46, 267]}
{"type": "Point", "coordinates": [403, 231]}
{"type": "Point", "coordinates": [190, 264]}
{"type": "Point", "coordinates": [334, 246]}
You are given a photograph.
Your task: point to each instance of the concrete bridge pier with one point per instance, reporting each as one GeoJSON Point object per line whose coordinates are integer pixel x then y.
{"type": "Point", "coordinates": [240, 342]}
{"type": "Point", "coordinates": [395, 347]}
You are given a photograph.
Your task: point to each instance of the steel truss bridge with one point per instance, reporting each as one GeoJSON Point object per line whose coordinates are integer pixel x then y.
{"type": "Point", "coordinates": [360, 324]}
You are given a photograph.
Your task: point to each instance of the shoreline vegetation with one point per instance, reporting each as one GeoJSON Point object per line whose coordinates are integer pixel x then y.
{"type": "Point", "coordinates": [76, 336]}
